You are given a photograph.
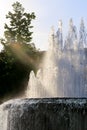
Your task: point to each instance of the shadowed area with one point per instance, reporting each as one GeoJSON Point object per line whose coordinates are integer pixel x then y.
{"type": "Point", "coordinates": [16, 62]}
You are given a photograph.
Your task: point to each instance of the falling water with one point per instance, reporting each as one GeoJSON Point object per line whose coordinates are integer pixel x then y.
{"type": "Point", "coordinates": [3, 118]}
{"type": "Point", "coordinates": [62, 74]}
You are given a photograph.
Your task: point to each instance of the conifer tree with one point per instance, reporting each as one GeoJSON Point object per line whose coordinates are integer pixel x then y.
{"type": "Point", "coordinates": [18, 31]}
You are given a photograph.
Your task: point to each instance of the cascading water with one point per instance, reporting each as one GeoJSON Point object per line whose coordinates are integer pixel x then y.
{"type": "Point", "coordinates": [62, 74]}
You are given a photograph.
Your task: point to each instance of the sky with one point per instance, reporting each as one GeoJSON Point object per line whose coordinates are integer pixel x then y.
{"type": "Point", "coordinates": [47, 12]}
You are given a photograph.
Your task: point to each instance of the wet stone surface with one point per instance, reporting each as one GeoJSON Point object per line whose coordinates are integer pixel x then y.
{"type": "Point", "coordinates": [44, 114]}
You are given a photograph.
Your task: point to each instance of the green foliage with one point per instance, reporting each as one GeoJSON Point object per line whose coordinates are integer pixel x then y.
{"type": "Point", "coordinates": [19, 58]}
{"type": "Point", "coordinates": [20, 24]}
{"type": "Point", "coordinates": [15, 67]}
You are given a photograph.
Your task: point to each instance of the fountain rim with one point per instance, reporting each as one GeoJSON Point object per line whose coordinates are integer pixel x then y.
{"type": "Point", "coordinates": [54, 100]}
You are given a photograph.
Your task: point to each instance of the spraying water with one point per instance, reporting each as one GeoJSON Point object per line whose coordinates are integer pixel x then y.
{"type": "Point", "coordinates": [62, 74]}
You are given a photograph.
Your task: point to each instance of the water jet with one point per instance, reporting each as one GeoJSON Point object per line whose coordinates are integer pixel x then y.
{"type": "Point", "coordinates": [64, 68]}
{"type": "Point", "coordinates": [56, 95]}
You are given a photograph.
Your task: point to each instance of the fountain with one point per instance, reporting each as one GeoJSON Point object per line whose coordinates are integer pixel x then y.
{"type": "Point", "coordinates": [56, 95]}
{"type": "Point", "coordinates": [62, 74]}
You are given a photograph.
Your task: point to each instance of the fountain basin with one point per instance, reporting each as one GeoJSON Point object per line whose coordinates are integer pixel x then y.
{"type": "Point", "coordinates": [44, 114]}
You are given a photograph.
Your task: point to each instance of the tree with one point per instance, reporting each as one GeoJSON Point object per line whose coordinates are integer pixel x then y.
{"type": "Point", "coordinates": [17, 60]}
{"type": "Point", "coordinates": [18, 31]}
